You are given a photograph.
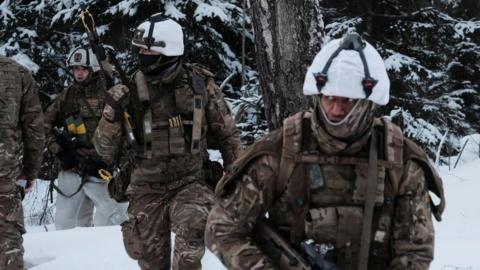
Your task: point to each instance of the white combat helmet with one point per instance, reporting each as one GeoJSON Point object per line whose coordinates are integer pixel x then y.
{"type": "Point", "coordinates": [83, 56]}
{"type": "Point", "coordinates": [160, 34]}
{"type": "Point", "coordinates": [349, 67]}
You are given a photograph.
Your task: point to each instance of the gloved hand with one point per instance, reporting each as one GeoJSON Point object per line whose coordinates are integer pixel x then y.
{"type": "Point", "coordinates": [115, 102]}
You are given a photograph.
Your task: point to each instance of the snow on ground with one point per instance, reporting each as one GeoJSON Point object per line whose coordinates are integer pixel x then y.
{"type": "Point", "coordinates": [98, 248]}
{"type": "Point", "coordinates": [457, 236]}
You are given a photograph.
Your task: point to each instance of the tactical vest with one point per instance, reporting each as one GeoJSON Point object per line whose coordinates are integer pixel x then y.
{"type": "Point", "coordinates": [83, 107]}
{"type": "Point", "coordinates": [170, 118]}
{"type": "Point", "coordinates": [322, 197]}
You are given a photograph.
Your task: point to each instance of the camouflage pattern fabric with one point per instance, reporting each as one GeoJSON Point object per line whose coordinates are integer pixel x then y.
{"type": "Point", "coordinates": [334, 214]}
{"type": "Point", "coordinates": [21, 121]}
{"type": "Point", "coordinates": [154, 211]}
{"type": "Point", "coordinates": [167, 191]}
{"type": "Point", "coordinates": [11, 230]}
{"type": "Point", "coordinates": [85, 99]}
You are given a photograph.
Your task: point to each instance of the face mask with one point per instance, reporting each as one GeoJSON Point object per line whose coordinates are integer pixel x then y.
{"type": "Point", "coordinates": [353, 126]}
{"type": "Point", "coordinates": [147, 59]}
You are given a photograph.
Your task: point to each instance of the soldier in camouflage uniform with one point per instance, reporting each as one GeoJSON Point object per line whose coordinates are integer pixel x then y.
{"type": "Point", "coordinates": [176, 108]}
{"type": "Point", "coordinates": [77, 110]}
{"type": "Point", "coordinates": [21, 121]}
{"type": "Point", "coordinates": [335, 175]}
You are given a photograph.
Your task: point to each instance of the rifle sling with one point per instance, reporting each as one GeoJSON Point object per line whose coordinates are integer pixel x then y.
{"type": "Point", "coordinates": [84, 180]}
{"type": "Point", "coordinates": [371, 189]}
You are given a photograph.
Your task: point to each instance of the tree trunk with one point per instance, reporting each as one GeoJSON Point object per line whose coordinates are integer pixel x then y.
{"type": "Point", "coordinates": [288, 34]}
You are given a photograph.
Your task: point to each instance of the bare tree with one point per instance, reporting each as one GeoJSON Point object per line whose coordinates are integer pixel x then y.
{"type": "Point", "coordinates": [288, 34]}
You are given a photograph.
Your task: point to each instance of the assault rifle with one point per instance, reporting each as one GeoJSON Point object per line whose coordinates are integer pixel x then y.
{"type": "Point", "coordinates": [287, 257]}
{"type": "Point", "coordinates": [70, 157]}
{"type": "Point", "coordinates": [117, 74]}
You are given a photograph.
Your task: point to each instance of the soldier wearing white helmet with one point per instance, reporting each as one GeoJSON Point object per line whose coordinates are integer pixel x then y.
{"type": "Point", "coordinates": [348, 80]}
{"type": "Point", "coordinates": [335, 181]}
{"type": "Point", "coordinates": [178, 112]}
{"type": "Point", "coordinates": [77, 111]}
{"type": "Point", "coordinates": [159, 43]}
{"type": "Point", "coordinates": [83, 63]}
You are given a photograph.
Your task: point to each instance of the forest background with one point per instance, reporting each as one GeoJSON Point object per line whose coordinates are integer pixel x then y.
{"type": "Point", "coordinates": [431, 49]}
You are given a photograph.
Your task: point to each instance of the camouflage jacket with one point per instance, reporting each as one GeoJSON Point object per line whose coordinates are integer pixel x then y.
{"type": "Point", "coordinates": [83, 101]}
{"type": "Point", "coordinates": [21, 120]}
{"type": "Point", "coordinates": [171, 108]}
{"type": "Point", "coordinates": [333, 213]}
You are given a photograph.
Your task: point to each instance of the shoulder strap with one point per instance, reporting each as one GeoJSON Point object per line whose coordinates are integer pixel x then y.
{"type": "Point", "coordinates": [198, 85]}
{"type": "Point", "coordinates": [292, 138]}
{"type": "Point", "coordinates": [393, 150]}
{"type": "Point", "coordinates": [297, 193]}
{"type": "Point", "coordinates": [371, 189]}
{"type": "Point", "coordinates": [146, 117]}
{"type": "Point", "coordinates": [198, 82]}
{"type": "Point", "coordinates": [142, 88]}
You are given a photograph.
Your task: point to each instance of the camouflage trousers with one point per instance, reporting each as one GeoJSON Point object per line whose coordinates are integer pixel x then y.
{"type": "Point", "coordinates": [11, 230]}
{"type": "Point", "coordinates": [155, 212]}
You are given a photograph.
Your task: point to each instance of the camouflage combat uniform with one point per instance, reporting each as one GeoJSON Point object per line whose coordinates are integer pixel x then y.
{"type": "Point", "coordinates": [323, 198]}
{"type": "Point", "coordinates": [82, 103]}
{"type": "Point", "coordinates": [168, 190]}
{"type": "Point", "coordinates": [21, 121]}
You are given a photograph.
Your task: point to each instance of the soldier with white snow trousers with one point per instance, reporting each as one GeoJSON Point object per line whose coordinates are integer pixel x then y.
{"type": "Point", "coordinates": [177, 112]}
{"type": "Point", "coordinates": [70, 122]}
{"type": "Point", "coordinates": [21, 134]}
{"type": "Point", "coordinates": [334, 178]}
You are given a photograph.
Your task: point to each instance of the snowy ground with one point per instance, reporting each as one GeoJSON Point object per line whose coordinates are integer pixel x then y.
{"type": "Point", "coordinates": [457, 237]}
{"type": "Point", "coordinates": [84, 249]}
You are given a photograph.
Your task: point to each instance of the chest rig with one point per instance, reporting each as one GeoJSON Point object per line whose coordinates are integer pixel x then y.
{"type": "Point", "coordinates": [170, 118]}
{"type": "Point", "coordinates": [351, 190]}
{"type": "Point", "coordinates": [307, 191]}
{"type": "Point", "coordinates": [82, 110]}
{"type": "Point", "coordinates": [341, 195]}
